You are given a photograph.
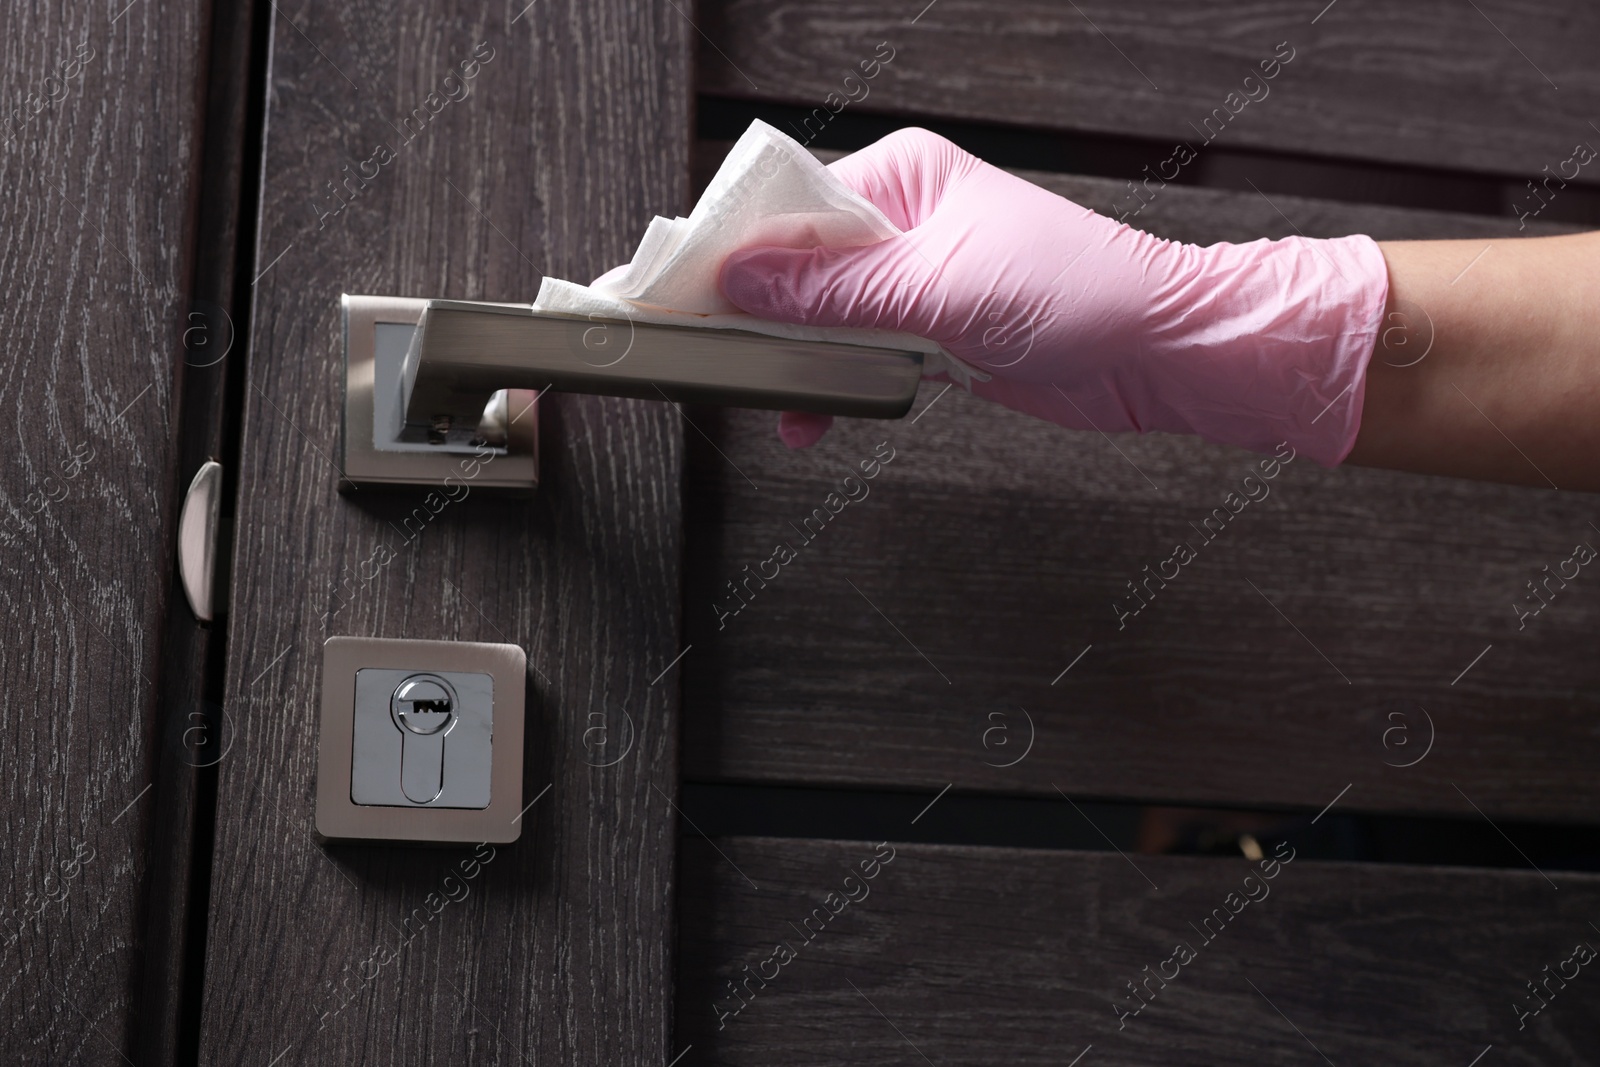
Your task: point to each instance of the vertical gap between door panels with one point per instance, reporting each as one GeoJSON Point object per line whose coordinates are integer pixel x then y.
{"type": "Point", "coordinates": [231, 141]}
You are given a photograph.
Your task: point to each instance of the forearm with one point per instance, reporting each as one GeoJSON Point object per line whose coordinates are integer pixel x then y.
{"type": "Point", "coordinates": [1509, 389]}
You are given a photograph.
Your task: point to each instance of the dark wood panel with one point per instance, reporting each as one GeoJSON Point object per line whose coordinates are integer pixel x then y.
{"type": "Point", "coordinates": [99, 113]}
{"type": "Point", "coordinates": [1435, 84]}
{"type": "Point", "coordinates": [1005, 956]}
{"type": "Point", "coordinates": [568, 137]}
{"type": "Point", "coordinates": [1205, 216]}
{"type": "Point", "coordinates": [1305, 648]}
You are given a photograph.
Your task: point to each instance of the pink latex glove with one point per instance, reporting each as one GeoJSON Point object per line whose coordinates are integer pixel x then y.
{"type": "Point", "coordinates": [1083, 320]}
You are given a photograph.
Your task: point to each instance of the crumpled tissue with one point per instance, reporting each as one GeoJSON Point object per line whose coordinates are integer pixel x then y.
{"type": "Point", "coordinates": [768, 191]}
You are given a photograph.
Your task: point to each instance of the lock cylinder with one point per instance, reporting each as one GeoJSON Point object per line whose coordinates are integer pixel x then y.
{"type": "Point", "coordinates": [423, 708]}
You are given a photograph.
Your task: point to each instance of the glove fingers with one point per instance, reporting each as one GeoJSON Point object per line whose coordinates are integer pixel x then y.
{"type": "Point", "coordinates": [905, 174]}
{"type": "Point", "coordinates": [801, 429]}
{"type": "Point", "coordinates": [610, 275]}
{"type": "Point", "coordinates": [889, 285]}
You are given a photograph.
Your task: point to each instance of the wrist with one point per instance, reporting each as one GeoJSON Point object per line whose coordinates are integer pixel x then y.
{"type": "Point", "coordinates": [1269, 342]}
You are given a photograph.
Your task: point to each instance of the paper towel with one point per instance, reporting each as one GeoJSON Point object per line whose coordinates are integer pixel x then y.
{"type": "Point", "coordinates": [768, 191]}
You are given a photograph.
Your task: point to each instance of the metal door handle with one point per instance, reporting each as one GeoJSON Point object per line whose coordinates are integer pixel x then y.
{"type": "Point", "coordinates": [462, 352]}
{"type": "Point", "coordinates": [426, 381]}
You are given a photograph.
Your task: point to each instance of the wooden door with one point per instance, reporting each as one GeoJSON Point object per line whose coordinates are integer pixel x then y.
{"type": "Point", "coordinates": [570, 132]}
{"type": "Point", "coordinates": [183, 220]}
{"type": "Point", "coordinates": [183, 250]}
{"type": "Point", "coordinates": [109, 315]}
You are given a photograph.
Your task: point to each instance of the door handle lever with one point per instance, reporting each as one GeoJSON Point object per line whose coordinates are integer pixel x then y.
{"type": "Point", "coordinates": [463, 352]}
{"type": "Point", "coordinates": [426, 382]}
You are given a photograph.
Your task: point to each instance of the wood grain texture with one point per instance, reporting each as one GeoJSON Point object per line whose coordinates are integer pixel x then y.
{"type": "Point", "coordinates": [1010, 956]}
{"type": "Point", "coordinates": [1307, 648]}
{"type": "Point", "coordinates": [1435, 84]}
{"type": "Point", "coordinates": [99, 112]}
{"type": "Point", "coordinates": [565, 143]}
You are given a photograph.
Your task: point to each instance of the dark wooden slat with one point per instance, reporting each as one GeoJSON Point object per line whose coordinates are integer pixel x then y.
{"type": "Point", "coordinates": [996, 545]}
{"type": "Point", "coordinates": [1008, 956]}
{"type": "Point", "coordinates": [100, 116]}
{"type": "Point", "coordinates": [1435, 84]}
{"type": "Point", "coordinates": [569, 138]}
{"type": "Point", "coordinates": [1205, 216]}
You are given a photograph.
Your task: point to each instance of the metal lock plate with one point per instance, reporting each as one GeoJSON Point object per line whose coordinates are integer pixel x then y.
{"type": "Point", "coordinates": [422, 738]}
{"type": "Point", "coordinates": [421, 741]}
{"type": "Point", "coordinates": [378, 332]}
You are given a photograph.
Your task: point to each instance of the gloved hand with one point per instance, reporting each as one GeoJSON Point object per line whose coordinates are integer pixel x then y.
{"type": "Point", "coordinates": [1083, 320]}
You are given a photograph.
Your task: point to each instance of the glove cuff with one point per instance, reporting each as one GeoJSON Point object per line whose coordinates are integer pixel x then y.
{"type": "Point", "coordinates": [1276, 341]}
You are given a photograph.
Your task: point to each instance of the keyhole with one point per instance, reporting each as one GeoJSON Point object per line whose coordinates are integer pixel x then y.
{"type": "Point", "coordinates": [423, 708]}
